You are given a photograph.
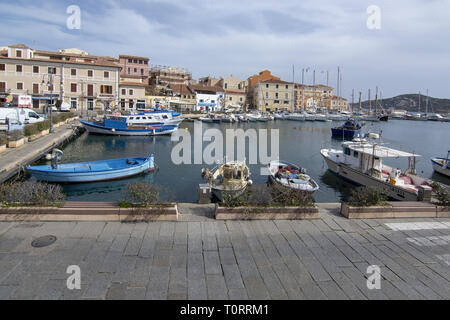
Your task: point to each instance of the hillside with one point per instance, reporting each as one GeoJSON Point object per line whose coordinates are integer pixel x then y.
{"type": "Point", "coordinates": [410, 102]}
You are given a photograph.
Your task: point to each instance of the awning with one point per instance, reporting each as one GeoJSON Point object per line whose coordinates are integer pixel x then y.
{"type": "Point", "coordinates": [382, 152]}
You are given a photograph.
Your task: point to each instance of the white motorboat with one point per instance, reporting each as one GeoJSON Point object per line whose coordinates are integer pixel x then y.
{"type": "Point", "coordinates": [152, 118]}
{"type": "Point", "coordinates": [291, 176]}
{"type": "Point", "coordinates": [435, 117]}
{"type": "Point", "coordinates": [361, 162]}
{"type": "Point", "coordinates": [296, 117]}
{"type": "Point", "coordinates": [231, 178]}
{"type": "Point", "coordinates": [252, 117]}
{"type": "Point", "coordinates": [310, 117]}
{"type": "Point", "coordinates": [442, 165]}
{"type": "Point", "coordinates": [321, 117]}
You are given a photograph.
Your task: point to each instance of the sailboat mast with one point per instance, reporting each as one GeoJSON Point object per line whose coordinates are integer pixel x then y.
{"type": "Point", "coordinates": [353, 99]}
{"type": "Point", "coordinates": [376, 100]}
{"type": "Point", "coordinates": [293, 88]}
{"type": "Point", "coordinates": [419, 101]}
{"type": "Point", "coordinates": [427, 102]}
{"type": "Point", "coordinates": [370, 102]}
{"type": "Point", "coordinates": [338, 88]}
{"type": "Point", "coordinates": [360, 93]}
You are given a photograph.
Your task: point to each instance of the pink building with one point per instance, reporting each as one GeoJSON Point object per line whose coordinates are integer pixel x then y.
{"type": "Point", "coordinates": [134, 66]}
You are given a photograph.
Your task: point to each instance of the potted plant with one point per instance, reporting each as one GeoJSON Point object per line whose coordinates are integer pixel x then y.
{"type": "Point", "coordinates": [32, 132]}
{"type": "Point", "coordinates": [16, 139]}
{"type": "Point", "coordinates": [3, 142]}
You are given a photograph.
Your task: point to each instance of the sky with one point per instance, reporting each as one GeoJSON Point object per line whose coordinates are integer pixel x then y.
{"type": "Point", "coordinates": [408, 52]}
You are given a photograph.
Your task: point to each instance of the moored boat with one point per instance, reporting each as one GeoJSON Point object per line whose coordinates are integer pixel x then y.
{"type": "Point", "coordinates": [442, 165]}
{"type": "Point", "coordinates": [230, 179]}
{"type": "Point", "coordinates": [118, 126]}
{"type": "Point", "coordinates": [348, 130]}
{"type": "Point", "coordinates": [361, 162]}
{"type": "Point", "coordinates": [291, 176]}
{"type": "Point", "coordinates": [92, 171]}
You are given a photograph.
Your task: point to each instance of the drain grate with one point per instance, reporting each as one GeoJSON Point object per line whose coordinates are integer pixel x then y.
{"type": "Point", "coordinates": [43, 241]}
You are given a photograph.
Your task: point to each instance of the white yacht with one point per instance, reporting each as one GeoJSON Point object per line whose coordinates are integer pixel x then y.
{"type": "Point", "coordinates": [442, 165]}
{"type": "Point", "coordinates": [152, 118]}
{"type": "Point", "coordinates": [296, 117]}
{"type": "Point", "coordinates": [361, 162]}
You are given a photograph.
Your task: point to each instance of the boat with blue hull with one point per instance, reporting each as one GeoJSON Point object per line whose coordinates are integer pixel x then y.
{"type": "Point", "coordinates": [350, 129]}
{"type": "Point", "coordinates": [118, 126]}
{"type": "Point", "coordinates": [442, 165]}
{"type": "Point", "coordinates": [92, 171]}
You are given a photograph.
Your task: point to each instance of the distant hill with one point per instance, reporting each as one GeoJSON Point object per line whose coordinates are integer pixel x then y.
{"type": "Point", "coordinates": [410, 102]}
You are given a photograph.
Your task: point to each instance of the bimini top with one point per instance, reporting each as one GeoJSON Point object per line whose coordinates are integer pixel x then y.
{"type": "Point", "coordinates": [380, 151]}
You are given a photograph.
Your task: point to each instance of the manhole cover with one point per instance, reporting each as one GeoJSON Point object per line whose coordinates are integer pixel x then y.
{"type": "Point", "coordinates": [43, 241]}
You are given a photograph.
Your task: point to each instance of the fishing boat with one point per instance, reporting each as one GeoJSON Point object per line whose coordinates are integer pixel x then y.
{"type": "Point", "coordinates": [210, 118]}
{"type": "Point", "coordinates": [291, 176]}
{"type": "Point", "coordinates": [118, 126]}
{"type": "Point", "coordinates": [91, 171]}
{"type": "Point", "coordinates": [350, 129]}
{"type": "Point", "coordinates": [442, 165]}
{"type": "Point", "coordinates": [361, 162]}
{"type": "Point", "coordinates": [231, 178]}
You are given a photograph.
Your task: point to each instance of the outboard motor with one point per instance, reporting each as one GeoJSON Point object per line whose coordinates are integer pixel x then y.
{"type": "Point", "coordinates": [56, 157]}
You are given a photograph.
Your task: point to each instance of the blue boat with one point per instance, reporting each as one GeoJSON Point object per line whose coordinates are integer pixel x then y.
{"type": "Point", "coordinates": [117, 126]}
{"type": "Point", "coordinates": [348, 130]}
{"type": "Point", "coordinates": [92, 171]}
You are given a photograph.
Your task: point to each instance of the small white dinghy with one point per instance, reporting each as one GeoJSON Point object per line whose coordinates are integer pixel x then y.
{"type": "Point", "coordinates": [291, 176]}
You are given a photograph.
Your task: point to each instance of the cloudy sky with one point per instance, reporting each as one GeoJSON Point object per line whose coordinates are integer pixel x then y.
{"type": "Point", "coordinates": [408, 54]}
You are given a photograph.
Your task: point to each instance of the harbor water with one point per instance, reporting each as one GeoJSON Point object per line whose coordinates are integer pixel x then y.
{"type": "Point", "coordinates": [299, 143]}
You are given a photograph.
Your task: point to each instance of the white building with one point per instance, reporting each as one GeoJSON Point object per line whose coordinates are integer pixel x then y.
{"type": "Point", "coordinates": [208, 98]}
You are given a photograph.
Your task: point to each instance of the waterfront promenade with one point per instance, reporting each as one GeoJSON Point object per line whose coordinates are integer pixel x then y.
{"type": "Point", "coordinates": [15, 159]}
{"type": "Point", "coordinates": [200, 258]}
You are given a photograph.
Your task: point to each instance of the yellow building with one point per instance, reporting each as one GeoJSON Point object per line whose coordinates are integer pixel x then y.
{"type": "Point", "coordinates": [72, 76]}
{"type": "Point", "coordinates": [273, 95]}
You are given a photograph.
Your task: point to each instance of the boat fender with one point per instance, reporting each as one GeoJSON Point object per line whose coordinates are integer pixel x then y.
{"type": "Point", "coordinates": [113, 130]}
{"type": "Point", "coordinates": [250, 182]}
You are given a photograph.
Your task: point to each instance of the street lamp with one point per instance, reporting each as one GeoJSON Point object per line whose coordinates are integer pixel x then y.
{"type": "Point", "coordinates": [50, 84]}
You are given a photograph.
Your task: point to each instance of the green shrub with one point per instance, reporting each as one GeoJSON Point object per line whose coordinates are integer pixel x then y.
{"type": "Point", "coordinates": [141, 194]}
{"type": "Point", "coordinates": [366, 197]}
{"type": "Point", "coordinates": [30, 129]}
{"type": "Point", "coordinates": [30, 193]}
{"type": "Point", "coordinates": [443, 197]}
{"type": "Point", "coordinates": [286, 197]}
{"type": "Point", "coordinates": [43, 125]}
{"type": "Point", "coordinates": [15, 135]}
{"type": "Point", "coordinates": [3, 139]}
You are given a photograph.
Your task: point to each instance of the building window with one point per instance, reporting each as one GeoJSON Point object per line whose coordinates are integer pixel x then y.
{"type": "Point", "coordinates": [240, 99]}
{"type": "Point", "coordinates": [130, 60]}
{"type": "Point", "coordinates": [135, 61]}
{"type": "Point", "coordinates": [128, 70]}
{"type": "Point", "coordinates": [35, 69]}
{"type": "Point", "coordinates": [106, 74]}
{"type": "Point", "coordinates": [18, 68]}
{"type": "Point", "coordinates": [267, 85]}
{"type": "Point", "coordinates": [51, 70]}
{"type": "Point", "coordinates": [142, 71]}
{"type": "Point", "coordinates": [73, 87]}
{"type": "Point", "coordinates": [131, 104]}
{"type": "Point", "coordinates": [135, 69]}
{"type": "Point", "coordinates": [2, 67]}
{"type": "Point", "coordinates": [19, 85]}
{"type": "Point", "coordinates": [276, 101]}
{"type": "Point", "coordinates": [226, 86]}
{"type": "Point", "coordinates": [90, 73]}
{"type": "Point", "coordinates": [231, 98]}
{"type": "Point", "coordinates": [131, 92]}
{"type": "Point", "coordinates": [73, 72]}
{"type": "Point", "coordinates": [122, 104]}
{"type": "Point", "coordinates": [106, 89]}
{"type": "Point", "coordinates": [35, 88]}
{"type": "Point", "coordinates": [90, 104]}
{"type": "Point", "coordinates": [2, 86]}
{"type": "Point", "coordinates": [73, 103]}
{"type": "Point", "coordinates": [124, 92]}
{"type": "Point", "coordinates": [267, 95]}
{"type": "Point", "coordinates": [286, 102]}
{"type": "Point", "coordinates": [276, 86]}
{"type": "Point", "coordinates": [140, 61]}
{"type": "Point", "coordinates": [287, 86]}
{"type": "Point", "coordinates": [239, 86]}
{"type": "Point", "coordinates": [18, 53]}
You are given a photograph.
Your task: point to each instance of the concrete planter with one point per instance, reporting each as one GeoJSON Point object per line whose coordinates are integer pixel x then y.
{"type": "Point", "coordinates": [16, 143]}
{"type": "Point", "coordinates": [442, 212]}
{"type": "Point", "coordinates": [45, 132]}
{"type": "Point", "coordinates": [34, 137]}
{"type": "Point", "coordinates": [88, 211]}
{"type": "Point", "coordinates": [266, 213]}
{"type": "Point", "coordinates": [56, 125]}
{"type": "Point", "coordinates": [391, 210]}
{"type": "Point", "coordinates": [2, 148]}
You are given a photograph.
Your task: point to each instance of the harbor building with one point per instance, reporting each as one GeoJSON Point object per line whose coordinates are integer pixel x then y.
{"type": "Point", "coordinates": [161, 77]}
{"type": "Point", "coordinates": [134, 66]}
{"type": "Point", "coordinates": [186, 98]}
{"type": "Point", "coordinates": [71, 76]}
{"type": "Point", "coordinates": [319, 96]}
{"type": "Point", "coordinates": [132, 93]}
{"type": "Point", "coordinates": [273, 95]}
{"type": "Point", "coordinates": [208, 98]}
{"type": "Point", "coordinates": [253, 80]}
{"type": "Point", "coordinates": [235, 91]}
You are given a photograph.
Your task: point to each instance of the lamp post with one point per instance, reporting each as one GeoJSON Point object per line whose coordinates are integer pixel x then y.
{"type": "Point", "coordinates": [50, 83]}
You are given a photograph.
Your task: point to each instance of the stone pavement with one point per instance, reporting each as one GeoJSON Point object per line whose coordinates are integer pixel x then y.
{"type": "Point", "coordinates": [200, 258]}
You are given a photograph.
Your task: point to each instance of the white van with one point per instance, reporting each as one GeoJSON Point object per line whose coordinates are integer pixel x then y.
{"type": "Point", "coordinates": [23, 115]}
